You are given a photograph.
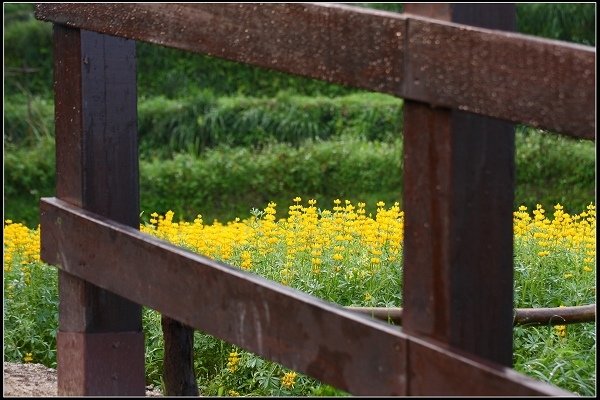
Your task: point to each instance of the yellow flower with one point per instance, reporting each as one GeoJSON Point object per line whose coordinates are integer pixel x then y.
{"type": "Point", "coordinates": [587, 269]}
{"type": "Point", "coordinates": [233, 393]}
{"type": "Point", "coordinates": [561, 330]}
{"type": "Point", "coordinates": [233, 361]}
{"type": "Point", "coordinates": [289, 379]}
{"type": "Point", "coordinates": [28, 357]}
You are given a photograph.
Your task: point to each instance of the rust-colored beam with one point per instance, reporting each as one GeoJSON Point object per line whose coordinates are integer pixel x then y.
{"type": "Point", "coordinates": [537, 82]}
{"type": "Point", "coordinates": [520, 78]}
{"type": "Point", "coordinates": [440, 370]}
{"type": "Point", "coordinates": [336, 44]}
{"type": "Point", "coordinates": [321, 339]}
{"type": "Point", "coordinates": [96, 166]}
{"type": "Point", "coordinates": [522, 316]}
{"type": "Point", "coordinates": [458, 201]}
{"type": "Point", "coordinates": [349, 351]}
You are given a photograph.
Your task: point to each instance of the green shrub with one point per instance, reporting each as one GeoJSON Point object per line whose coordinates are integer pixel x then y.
{"type": "Point", "coordinates": [553, 169]}
{"type": "Point", "coordinates": [226, 182]}
{"type": "Point", "coordinates": [572, 22]}
{"type": "Point", "coordinates": [192, 124]}
{"type": "Point", "coordinates": [176, 73]}
{"type": "Point", "coordinates": [28, 119]}
{"type": "Point", "coordinates": [28, 60]}
{"type": "Point", "coordinates": [203, 121]}
{"type": "Point", "coordinates": [29, 173]}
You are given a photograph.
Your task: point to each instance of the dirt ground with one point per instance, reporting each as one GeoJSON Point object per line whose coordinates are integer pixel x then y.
{"type": "Point", "coordinates": [36, 380]}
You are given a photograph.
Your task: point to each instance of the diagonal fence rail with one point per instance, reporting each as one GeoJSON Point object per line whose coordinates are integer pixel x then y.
{"type": "Point", "coordinates": [282, 324]}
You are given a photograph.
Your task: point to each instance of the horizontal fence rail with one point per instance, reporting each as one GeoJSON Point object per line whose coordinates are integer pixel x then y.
{"type": "Point", "coordinates": [542, 83]}
{"type": "Point", "coordinates": [337, 346]}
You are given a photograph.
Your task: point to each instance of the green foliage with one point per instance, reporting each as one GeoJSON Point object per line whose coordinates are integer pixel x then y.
{"type": "Point", "coordinates": [30, 312]}
{"type": "Point", "coordinates": [28, 119]}
{"type": "Point", "coordinates": [228, 182]}
{"type": "Point", "coordinates": [393, 7]}
{"type": "Point", "coordinates": [553, 169]}
{"type": "Point", "coordinates": [194, 124]}
{"type": "Point", "coordinates": [29, 173]}
{"type": "Point", "coordinates": [568, 363]}
{"type": "Point", "coordinates": [28, 62]}
{"type": "Point", "coordinates": [572, 22]}
{"type": "Point", "coordinates": [176, 73]}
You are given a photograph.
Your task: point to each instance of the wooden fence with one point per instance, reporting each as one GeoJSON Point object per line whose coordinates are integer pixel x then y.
{"type": "Point", "coordinates": [464, 86]}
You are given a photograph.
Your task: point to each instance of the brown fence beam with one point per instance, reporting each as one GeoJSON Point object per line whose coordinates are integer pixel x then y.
{"type": "Point", "coordinates": [331, 43]}
{"type": "Point", "coordinates": [458, 200]}
{"type": "Point", "coordinates": [522, 316]}
{"type": "Point", "coordinates": [349, 351]}
{"type": "Point", "coordinates": [100, 344]}
{"type": "Point", "coordinates": [543, 83]}
{"type": "Point", "coordinates": [440, 370]}
{"type": "Point", "coordinates": [309, 335]}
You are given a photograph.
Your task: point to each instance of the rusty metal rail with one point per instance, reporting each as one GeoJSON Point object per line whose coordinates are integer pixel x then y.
{"type": "Point", "coordinates": [458, 81]}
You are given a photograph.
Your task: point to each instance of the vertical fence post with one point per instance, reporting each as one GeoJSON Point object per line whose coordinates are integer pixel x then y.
{"type": "Point", "coordinates": [100, 343]}
{"type": "Point", "coordinates": [458, 201]}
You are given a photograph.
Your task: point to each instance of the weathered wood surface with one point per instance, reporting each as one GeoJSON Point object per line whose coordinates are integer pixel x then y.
{"type": "Point", "coordinates": [96, 168]}
{"type": "Point", "coordinates": [336, 346]}
{"type": "Point", "coordinates": [346, 350]}
{"type": "Point", "coordinates": [458, 202]}
{"type": "Point", "coordinates": [519, 78]}
{"type": "Point", "coordinates": [179, 377]}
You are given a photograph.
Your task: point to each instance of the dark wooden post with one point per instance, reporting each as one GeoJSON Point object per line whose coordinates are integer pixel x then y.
{"type": "Point", "coordinates": [100, 343]}
{"type": "Point", "coordinates": [458, 199]}
{"type": "Point", "coordinates": [179, 376]}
